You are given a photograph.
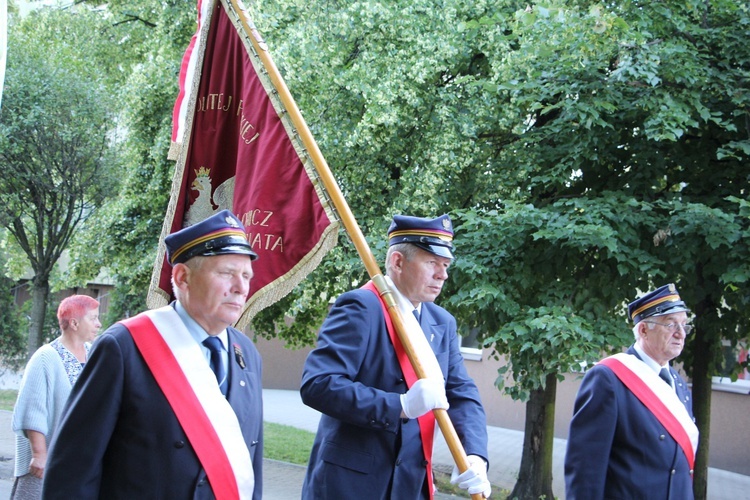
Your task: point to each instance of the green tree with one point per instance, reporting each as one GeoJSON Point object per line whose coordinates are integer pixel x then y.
{"type": "Point", "coordinates": [377, 84]}
{"type": "Point", "coordinates": [539, 282]}
{"type": "Point", "coordinates": [12, 338]}
{"type": "Point", "coordinates": [125, 235]}
{"type": "Point", "coordinates": [53, 140]}
{"type": "Point", "coordinates": [629, 157]}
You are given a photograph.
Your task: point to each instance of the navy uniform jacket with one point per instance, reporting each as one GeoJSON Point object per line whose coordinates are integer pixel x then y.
{"type": "Point", "coordinates": [618, 449]}
{"type": "Point", "coordinates": [119, 438]}
{"type": "Point", "coordinates": [363, 448]}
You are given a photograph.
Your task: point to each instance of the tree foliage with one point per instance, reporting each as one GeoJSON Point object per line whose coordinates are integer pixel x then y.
{"type": "Point", "coordinates": [631, 131]}
{"type": "Point", "coordinates": [12, 338]}
{"type": "Point", "coordinates": [539, 282]}
{"type": "Point", "coordinates": [53, 143]}
{"type": "Point", "coordinates": [124, 237]}
{"type": "Point", "coordinates": [376, 82]}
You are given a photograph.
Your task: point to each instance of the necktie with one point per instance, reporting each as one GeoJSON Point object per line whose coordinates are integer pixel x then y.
{"type": "Point", "coordinates": [214, 345]}
{"type": "Point", "coordinates": [416, 314]}
{"type": "Point", "coordinates": [665, 376]}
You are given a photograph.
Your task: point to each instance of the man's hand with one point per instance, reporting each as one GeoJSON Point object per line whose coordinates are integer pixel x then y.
{"type": "Point", "coordinates": [426, 394]}
{"type": "Point", "coordinates": [474, 479]}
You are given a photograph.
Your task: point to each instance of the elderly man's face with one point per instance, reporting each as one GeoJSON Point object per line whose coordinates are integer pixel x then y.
{"type": "Point", "coordinates": [421, 277]}
{"type": "Point", "coordinates": [214, 289]}
{"type": "Point", "coordinates": [661, 342]}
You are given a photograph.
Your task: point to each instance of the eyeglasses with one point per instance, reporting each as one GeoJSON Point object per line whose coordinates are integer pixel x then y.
{"type": "Point", "coordinates": [674, 327]}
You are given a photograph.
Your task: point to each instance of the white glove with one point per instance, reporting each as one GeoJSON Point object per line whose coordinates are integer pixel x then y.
{"type": "Point", "coordinates": [426, 394]}
{"type": "Point", "coordinates": [474, 479]}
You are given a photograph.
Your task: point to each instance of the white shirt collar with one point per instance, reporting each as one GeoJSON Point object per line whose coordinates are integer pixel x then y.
{"type": "Point", "coordinates": [419, 306]}
{"type": "Point", "coordinates": [196, 330]}
{"type": "Point", "coordinates": [648, 359]}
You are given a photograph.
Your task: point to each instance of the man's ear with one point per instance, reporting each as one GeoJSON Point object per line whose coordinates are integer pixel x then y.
{"type": "Point", "coordinates": [642, 329]}
{"type": "Point", "coordinates": [397, 261]}
{"type": "Point", "coordinates": [180, 275]}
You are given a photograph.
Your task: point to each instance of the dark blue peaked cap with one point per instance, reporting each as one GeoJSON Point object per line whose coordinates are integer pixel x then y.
{"type": "Point", "coordinates": [663, 300]}
{"type": "Point", "coordinates": [432, 235]}
{"type": "Point", "coordinates": [220, 234]}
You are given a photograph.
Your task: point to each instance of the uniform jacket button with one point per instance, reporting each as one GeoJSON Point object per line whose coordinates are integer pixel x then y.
{"type": "Point", "coordinates": [661, 438]}
{"type": "Point", "coordinates": [179, 444]}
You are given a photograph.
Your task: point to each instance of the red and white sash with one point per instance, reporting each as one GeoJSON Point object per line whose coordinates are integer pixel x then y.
{"type": "Point", "coordinates": [189, 384]}
{"type": "Point", "coordinates": [426, 421]}
{"type": "Point", "coordinates": [659, 398]}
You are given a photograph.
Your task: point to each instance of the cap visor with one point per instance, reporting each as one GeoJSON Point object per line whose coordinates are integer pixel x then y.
{"type": "Point", "coordinates": [438, 250]}
{"type": "Point", "coordinates": [231, 249]}
{"type": "Point", "coordinates": [672, 310]}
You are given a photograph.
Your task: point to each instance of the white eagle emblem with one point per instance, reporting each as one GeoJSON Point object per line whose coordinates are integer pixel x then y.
{"type": "Point", "coordinates": [203, 206]}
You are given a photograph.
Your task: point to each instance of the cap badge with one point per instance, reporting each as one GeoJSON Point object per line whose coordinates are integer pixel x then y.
{"type": "Point", "coordinates": [231, 221]}
{"type": "Point", "coordinates": [446, 224]}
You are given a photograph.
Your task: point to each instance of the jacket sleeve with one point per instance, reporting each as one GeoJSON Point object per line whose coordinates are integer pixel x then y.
{"type": "Point", "coordinates": [247, 369]}
{"type": "Point", "coordinates": [343, 376]}
{"type": "Point", "coordinates": [466, 411]}
{"type": "Point", "coordinates": [74, 464]}
{"type": "Point", "coordinates": [592, 431]}
{"type": "Point", "coordinates": [34, 402]}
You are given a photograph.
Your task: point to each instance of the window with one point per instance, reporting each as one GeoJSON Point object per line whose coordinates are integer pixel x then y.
{"type": "Point", "coordinates": [733, 356]}
{"type": "Point", "coordinates": [471, 348]}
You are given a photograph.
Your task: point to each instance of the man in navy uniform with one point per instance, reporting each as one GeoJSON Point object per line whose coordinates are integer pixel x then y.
{"type": "Point", "coordinates": [169, 404]}
{"type": "Point", "coordinates": [633, 433]}
{"type": "Point", "coordinates": [374, 438]}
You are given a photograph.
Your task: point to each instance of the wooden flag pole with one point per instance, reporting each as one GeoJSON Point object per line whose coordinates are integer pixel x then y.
{"type": "Point", "coordinates": [352, 228]}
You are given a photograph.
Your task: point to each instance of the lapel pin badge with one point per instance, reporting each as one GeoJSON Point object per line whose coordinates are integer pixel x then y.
{"type": "Point", "coordinates": [238, 356]}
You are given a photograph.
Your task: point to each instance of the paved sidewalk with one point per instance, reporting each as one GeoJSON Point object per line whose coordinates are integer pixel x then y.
{"type": "Point", "coordinates": [283, 481]}
{"type": "Point", "coordinates": [505, 448]}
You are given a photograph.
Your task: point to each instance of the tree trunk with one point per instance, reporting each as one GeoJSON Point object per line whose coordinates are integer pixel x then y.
{"type": "Point", "coordinates": [535, 475]}
{"type": "Point", "coordinates": [702, 411]}
{"type": "Point", "coordinates": [39, 294]}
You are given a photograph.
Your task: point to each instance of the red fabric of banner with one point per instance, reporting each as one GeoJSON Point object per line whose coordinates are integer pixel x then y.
{"type": "Point", "coordinates": [240, 156]}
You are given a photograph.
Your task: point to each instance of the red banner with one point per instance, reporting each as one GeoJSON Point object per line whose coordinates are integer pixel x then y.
{"type": "Point", "coordinates": [241, 154]}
